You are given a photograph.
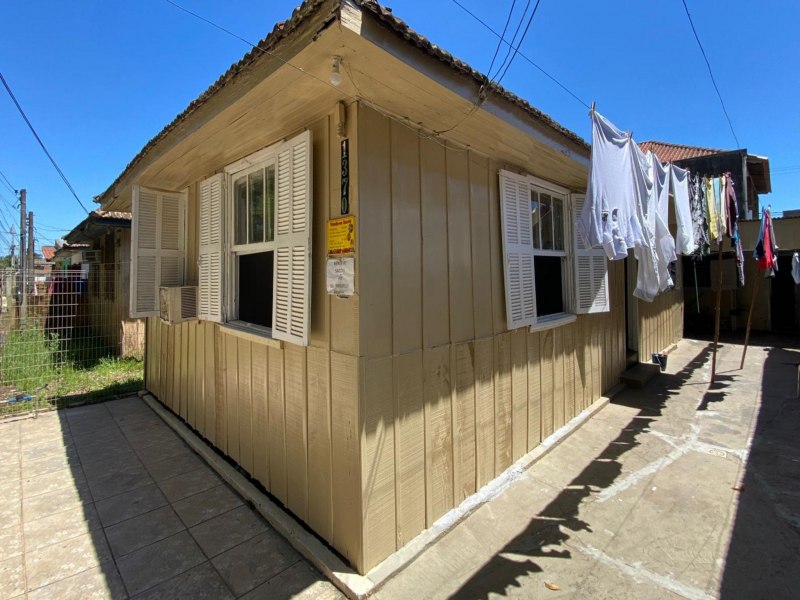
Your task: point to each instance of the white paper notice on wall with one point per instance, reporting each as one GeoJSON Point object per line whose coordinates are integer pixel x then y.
{"type": "Point", "coordinates": [341, 279]}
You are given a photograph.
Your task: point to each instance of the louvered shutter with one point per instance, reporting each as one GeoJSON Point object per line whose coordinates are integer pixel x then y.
{"type": "Point", "coordinates": [158, 252]}
{"type": "Point", "coordinates": [210, 251]}
{"type": "Point", "coordinates": [591, 270]}
{"type": "Point", "coordinates": [292, 273]}
{"type": "Point", "coordinates": [515, 204]}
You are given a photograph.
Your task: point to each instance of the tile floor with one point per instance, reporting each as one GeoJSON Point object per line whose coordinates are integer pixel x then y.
{"type": "Point", "coordinates": [105, 501]}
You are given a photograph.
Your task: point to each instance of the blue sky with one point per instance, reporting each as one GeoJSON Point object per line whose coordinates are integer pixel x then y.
{"type": "Point", "coordinates": [98, 79]}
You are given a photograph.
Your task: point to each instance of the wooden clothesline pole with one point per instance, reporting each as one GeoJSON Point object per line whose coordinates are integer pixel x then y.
{"type": "Point", "coordinates": [749, 319]}
{"type": "Point", "coordinates": [716, 325]}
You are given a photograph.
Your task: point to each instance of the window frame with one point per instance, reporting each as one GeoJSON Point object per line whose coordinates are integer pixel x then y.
{"type": "Point", "coordinates": [567, 315]}
{"type": "Point", "coordinates": [260, 160]}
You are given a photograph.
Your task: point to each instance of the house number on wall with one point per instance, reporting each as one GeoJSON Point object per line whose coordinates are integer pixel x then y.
{"type": "Point", "coordinates": [345, 176]}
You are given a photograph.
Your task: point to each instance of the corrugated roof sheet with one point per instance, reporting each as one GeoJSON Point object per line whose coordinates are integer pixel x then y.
{"type": "Point", "coordinates": [48, 252]}
{"type": "Point", "coordinates": [672, 152]}
{"type": "Point", "coordinates": [385, 15]}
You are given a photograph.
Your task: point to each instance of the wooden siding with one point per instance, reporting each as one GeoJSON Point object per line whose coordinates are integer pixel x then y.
{"type": "Point", "coordinates": [107, 308]}
{"type": "Point", "coordinates": [451, 398]}
{"type": "Point", "coordinates": [660, 323]}
{"type": "Point", "coordinates": [288, 415]}
{"type": "Point", "coordinates": [412, 395]}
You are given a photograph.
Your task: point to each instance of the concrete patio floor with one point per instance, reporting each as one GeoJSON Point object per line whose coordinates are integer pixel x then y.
{"type": "Point", "coordinates": [105, 501]}
{"type": "Point", "coordinates": [682, 490]}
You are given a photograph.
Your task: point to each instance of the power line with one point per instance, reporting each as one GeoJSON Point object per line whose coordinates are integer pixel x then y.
{"type": "Point", "coordinates": [527, 59]}
{"type": "Point", "coordinates": [500, 41]}
{"type": "Point", "coordinates": [513, 38]}
{"type": "Point", "coordinates": [708, 64]}
{"type": "Point", "coordinates": [41, 143]}
{"type": "Point", "coordinates": [522, 39]}
{"type": "Point", "coordinates": [7, 183]}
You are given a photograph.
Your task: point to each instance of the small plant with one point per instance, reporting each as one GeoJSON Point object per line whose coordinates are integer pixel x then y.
{"type": "Point", "coordinates": [27, 359]}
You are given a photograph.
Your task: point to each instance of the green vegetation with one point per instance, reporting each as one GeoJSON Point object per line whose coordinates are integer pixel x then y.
{"type": "Point", "coordinates": [56, 373]}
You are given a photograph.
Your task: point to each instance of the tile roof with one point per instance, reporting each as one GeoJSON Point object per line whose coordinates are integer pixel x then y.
{"type": "Point", "coordinates": [384, 14]}
{"type": "Point", "coordinates": [672, 152]}
{"type": "Point", "coordinates": [48, 252]}
{"type": "Point", "coordinates": [117, 215]}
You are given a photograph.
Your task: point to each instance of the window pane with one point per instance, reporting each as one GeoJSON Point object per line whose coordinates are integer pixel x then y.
{"type": "Point", "coordinates": [255, 232]}
{"type": "Point", "coordinates": [240, 207]}
{"type": "Point", "coordinates": [558, 224]}
{"type": "Point", "coordinates": [549, 285]}
{"type": "Point", "coordinates": [255, 288]}
{"type": "Point", "coordinates": [535, 215]}
{"type": "Point", "coordinates": [546, 204]}
{"type": "Point", "coordinates": [270, 207]}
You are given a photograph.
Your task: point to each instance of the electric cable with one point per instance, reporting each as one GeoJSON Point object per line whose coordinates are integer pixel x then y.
{"type": "Point", "coordinates": [7, 183]}
{"type": "Point", "coordinates": [522, 54]}
{"type": "Point", "coordinates": [522, 39]}
{"type": "Point", "coordinates": [41, 143]}
{"type": "Point", "coordinates": [514, 38]}
{"type": "Point", "coordinates": [710, 72]}
{"type": "Point", "coordinates": [500, 41]}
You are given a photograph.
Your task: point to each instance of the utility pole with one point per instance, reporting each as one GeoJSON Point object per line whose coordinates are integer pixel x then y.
{"type": "Point", "coordinates": [23, 283]}
{"type": "Point", "coordinates": [31, 263]}
{"type": "Point", "coordinates": [13, 246]}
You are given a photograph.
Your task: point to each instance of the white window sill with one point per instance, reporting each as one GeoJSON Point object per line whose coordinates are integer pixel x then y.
{"type": "Point", "coordinates": [553, 321]}
{"type": "Point", "coordinates": [251, 333]}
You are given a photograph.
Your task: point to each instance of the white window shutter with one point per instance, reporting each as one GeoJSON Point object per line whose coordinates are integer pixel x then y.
{"type": "Point", "coordinates": [292, 273]}
{"type": "Point", "coordinates": [210, 249]}
{"type": "Point", "coordinates": [591, 270]}
{"type": "Point", "coordinates": [158, 253]}
{"type": "Point", "coordinates": [515, 205]}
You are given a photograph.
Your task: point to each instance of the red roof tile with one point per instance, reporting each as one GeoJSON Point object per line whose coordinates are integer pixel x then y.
{"type": "Point", "coordinates": [672, 152]}
{"type": "Point", "coordinates": [48, 252]}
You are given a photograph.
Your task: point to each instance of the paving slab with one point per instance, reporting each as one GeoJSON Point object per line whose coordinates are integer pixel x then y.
{"type": "Point", "coordinates": [684, 489]}
{"type": "Point", "coordinates": [95, 502]}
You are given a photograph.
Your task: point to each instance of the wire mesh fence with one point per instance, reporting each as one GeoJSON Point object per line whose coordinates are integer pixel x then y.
{"type": "Point", "coordinates": [66, 336]}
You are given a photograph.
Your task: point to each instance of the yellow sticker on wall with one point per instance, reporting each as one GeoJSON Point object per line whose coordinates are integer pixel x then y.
{"type": "Point", "coordinates": [342, 235]}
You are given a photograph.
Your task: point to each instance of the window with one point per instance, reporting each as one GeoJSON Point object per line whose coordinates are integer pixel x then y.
{"type": "Point", "coordinates": [158, 247]}
{"type": "Point", "coordinates": [550, 266]}
{"type": "Point", "coordinates": [549, 274]}
{"type": "Point", "coordinates": [256, 274]}
{"type": "Point", "coordinates": [253, 198]}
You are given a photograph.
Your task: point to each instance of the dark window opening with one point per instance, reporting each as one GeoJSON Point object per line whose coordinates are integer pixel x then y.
{"type": "Point", "coordinates": [549, 288]}
{"type": "Point", "coordinates": [255, 288]}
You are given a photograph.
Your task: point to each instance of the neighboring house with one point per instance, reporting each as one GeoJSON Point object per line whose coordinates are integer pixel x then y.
{"type": "Point", "coordinates": [67, 255]}
{"type": "Point", "coordinates": [99, 246]}
{"type": "Point", "coordinates": [777, 306]}
{"type": "Point", "coordinates": [478, 324]}
{"type": "Point", "coordinates": [751, 177]}
{"type": "Point", "coordinates": [48, 253]}
{"type": "Point", "coordinates": [750, 173]}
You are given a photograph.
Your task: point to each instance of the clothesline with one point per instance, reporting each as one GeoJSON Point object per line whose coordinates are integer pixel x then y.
{"type": "Point", "coordinates": [627, 208]}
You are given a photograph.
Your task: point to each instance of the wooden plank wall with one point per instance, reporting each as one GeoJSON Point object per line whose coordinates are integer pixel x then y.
{"type": "Point", "coordinates": [660, 323]}
{"type": "Point", "coordinates": [450, 397]}
{"type": "Point", "coordinates": [288, 415]}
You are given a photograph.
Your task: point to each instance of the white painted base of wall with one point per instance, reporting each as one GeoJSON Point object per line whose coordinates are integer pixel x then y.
{"type": "Point", "coordinates": [352, 584]}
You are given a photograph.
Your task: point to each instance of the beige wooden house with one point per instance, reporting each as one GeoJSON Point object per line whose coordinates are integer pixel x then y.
{"type": "Point", "coordinates": [478, 324]}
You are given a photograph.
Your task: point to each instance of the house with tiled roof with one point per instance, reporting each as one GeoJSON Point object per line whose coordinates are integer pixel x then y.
{"type": "Point", "coordinates": [356, 260]}
{"type": "Point", "coordinates": [750, 172]}
{"type": "Point", "coordinates": [98, 248]}
{"type": "Point", "coordinates": [48, 253]}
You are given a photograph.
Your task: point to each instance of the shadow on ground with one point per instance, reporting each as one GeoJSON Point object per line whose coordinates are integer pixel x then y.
{"type": "Point", "coordinates": [113, 504]}
{"type": "Point", "coordinates": [548, 531]}
{"type": "Point", "coordinates": [763, 559]}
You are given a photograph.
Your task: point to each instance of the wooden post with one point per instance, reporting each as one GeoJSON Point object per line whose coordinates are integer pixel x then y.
{"type": "Point", "coordinates": [750, 318]}
{"type": "Point", "coordinates": [717, 310]}
{"type": "Point", "coordinates": [23, 260]}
